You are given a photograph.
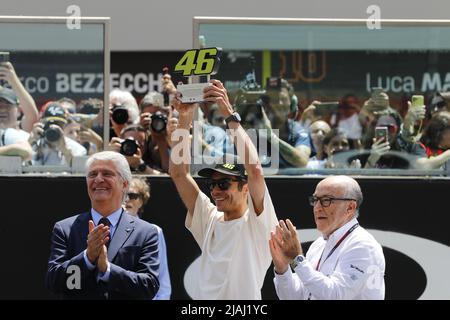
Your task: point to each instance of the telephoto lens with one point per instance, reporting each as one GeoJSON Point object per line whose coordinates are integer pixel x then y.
{"type": "Point", "coordinates": [159, 122]}
{"type": "Point", "coordinates": [51, 134]}
{"type": "Point", "coordinates": [119, 114]}
{"type": "Point", "coordinates": [128, 147]}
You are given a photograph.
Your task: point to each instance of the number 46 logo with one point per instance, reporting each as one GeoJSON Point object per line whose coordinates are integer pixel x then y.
{"type": "Point", "coordinates": [199, 62]}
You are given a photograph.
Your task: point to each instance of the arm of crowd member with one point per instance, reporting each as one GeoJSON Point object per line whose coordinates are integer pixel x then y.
{"type": "Point", "coordinates": [89, 135]}
{"type": "Point", "coordinates": [21, 149]}
{"type": "Point", "coordinates": [309, 116]}
{"type": "Point", "coordinates": [26, 102]}
{"type": "Point", "coordinates": [297, 157]}
{"type": "Point", "coordinates": [413, 115]}
{"type": "Point", "coordinates": [434, 162]}
{"type": "Point", "coordinates": [379, 148]}
{"type": "Point", "coordinates": [245, 148]}
{"type": "Point", "coordinates": [181, 155]}
{"type": "Point", "coordinates": [62, 146]}
{"type": "Point", "coordinates": [142, 282]}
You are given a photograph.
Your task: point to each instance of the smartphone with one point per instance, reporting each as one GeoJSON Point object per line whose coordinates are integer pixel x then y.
{"type": "Point", "coordinates": [417, 101]}
{"type": "Point", "coordinates": [376, 91]}
{"type": "Point", "coordinates": [326, 108]}
{"type": "Point", "coordinates": [4, 57]}
{"type": "Point", "coordinates": [381, 133]}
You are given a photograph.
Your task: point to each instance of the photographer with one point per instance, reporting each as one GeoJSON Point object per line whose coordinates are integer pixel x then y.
{"type": "Point", "coordinates": [133, 145]}
{"type": "Point", "coordinates": [293, 140]}
{"type": "Point", "coordinates": [123, 111]}
{"type": "Point", "coordinates": [50, 145]}
{"type": "Point", "coordinates": [27, 104]}
{"type": "Point", "coordinates": [154, 118]}
{"type": "Point", "coordinates": [87, 137]}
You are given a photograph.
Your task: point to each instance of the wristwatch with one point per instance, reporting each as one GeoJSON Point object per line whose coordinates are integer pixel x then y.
{"type": "Point", "coordinates": [297, 260]}
{"type": "Point", "coordinates": [235, 117]}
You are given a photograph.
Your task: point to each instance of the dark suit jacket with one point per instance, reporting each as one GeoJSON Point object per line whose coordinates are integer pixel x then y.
{"type": "Point", "coordinates": [132, 254]}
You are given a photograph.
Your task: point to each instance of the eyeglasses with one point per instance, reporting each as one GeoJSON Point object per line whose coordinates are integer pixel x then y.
{"type": "Point", "coordinates": [133, 196]}
{"type": "Point", "coordinates": [325, 201]}
{"type": "Point", "coordinates": [223, 184]}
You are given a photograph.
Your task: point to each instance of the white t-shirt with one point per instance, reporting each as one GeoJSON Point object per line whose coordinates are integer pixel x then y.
{"type": "Point", "coordinates": [351, 126]}
{"type": "Point", "coordinates": [44, 155]}
{"type": "Point", "coordinates": [11, 136]}
{"type": "Point", "coordinates": [235, 254]}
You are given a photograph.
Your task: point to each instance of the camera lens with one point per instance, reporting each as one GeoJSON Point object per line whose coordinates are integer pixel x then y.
{"type": "Point", "coordinates": [128, 147]}
{"type": "Point", "coordinates": [159, 122]}
{"type": "Point", "coordinates": [120, 114]}
{"type": "Point", "coordinates": [51, 134]}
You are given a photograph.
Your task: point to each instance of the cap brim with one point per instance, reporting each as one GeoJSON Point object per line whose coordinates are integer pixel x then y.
{"type": "Point", "coordinates": [208, 172]}
{"type": "Point", "coordinates": [56, 119]}
{"type": "Point", "coordinates": [9, 101]}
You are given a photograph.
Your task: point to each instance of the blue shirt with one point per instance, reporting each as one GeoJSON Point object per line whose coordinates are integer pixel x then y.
{"type": "Point", "coordinates": [113, 220]}
{"type": "Point", "coordinates": [165, 288]}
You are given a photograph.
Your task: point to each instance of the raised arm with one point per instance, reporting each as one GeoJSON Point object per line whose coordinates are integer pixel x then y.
{"type": "Point", "coordinates": [245, 147]}
{"type": "Point", "coordinates": [181, 155]}
{"type": "Point", "coordinates": [27, 104]}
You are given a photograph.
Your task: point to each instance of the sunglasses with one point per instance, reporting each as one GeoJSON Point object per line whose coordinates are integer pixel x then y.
{"type": "Point", "coordinates": [133, 196]}
{"type": "Point", "coordinates": [223, 184]}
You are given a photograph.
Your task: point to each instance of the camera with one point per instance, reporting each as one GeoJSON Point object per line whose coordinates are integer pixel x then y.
{"type": "Point", "coordinates": [159, 122]}
{"type": "Point", "coordinates": [119, 114]}
{"type": "Point", "coordinates": [191, 93]}
{"type": "Point", "coordinates": [128, 147]}
{"type": "Point", "coordinates": [4, 57]}
{"type": "Point", "coordinates": [51, 134]}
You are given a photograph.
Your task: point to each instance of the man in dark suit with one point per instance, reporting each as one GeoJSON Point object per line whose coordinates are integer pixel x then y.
{"type": "Point", "coordinates": [105, 253]}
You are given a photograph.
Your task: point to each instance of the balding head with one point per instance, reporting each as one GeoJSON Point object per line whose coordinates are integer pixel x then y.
{"type": "Point", "coordinates": [347, 186]}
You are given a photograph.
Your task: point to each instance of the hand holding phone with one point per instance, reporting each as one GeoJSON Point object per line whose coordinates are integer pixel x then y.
{"type": "Point", "coordinates": [4, 57]}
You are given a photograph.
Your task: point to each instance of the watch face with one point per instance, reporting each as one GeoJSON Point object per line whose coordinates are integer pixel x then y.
{"type": "Point", "coordinates": [237, 116]}
{"type": "Point", "coordinates": [300, 259]}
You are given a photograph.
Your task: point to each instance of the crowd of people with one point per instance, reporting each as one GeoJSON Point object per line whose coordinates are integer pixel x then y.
{"type": "Point", "coordinates": [348, 133]}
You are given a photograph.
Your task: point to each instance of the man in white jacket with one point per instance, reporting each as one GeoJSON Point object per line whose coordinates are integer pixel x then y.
{"type": "Point", "coordinates": [345, 263]}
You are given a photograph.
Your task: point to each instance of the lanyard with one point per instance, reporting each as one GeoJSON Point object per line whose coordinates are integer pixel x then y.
{"type": "Point", "coordinates": [336, 245]}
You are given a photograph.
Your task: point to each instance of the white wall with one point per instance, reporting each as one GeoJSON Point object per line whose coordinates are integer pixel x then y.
{"type": "Point", "coordinates": [167, 25]}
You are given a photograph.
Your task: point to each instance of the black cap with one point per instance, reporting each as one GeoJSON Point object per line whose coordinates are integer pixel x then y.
{"type": "Point", "coordinates": [9, 96]}
{"type": "Point", "coordinates": [55, 111]}
{"type": "Point", "coordinates": [237, 170]}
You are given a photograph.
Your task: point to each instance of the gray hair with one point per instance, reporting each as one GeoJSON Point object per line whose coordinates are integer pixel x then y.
{"type": "Point", "coordinates": [121, 163]}
{"type": "Point", "coordinates": [353, 191]}
{"type": "Point", "coordinates": [126, 99]}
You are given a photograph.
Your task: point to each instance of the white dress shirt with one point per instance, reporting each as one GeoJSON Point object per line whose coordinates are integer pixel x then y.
{"type": "Point", "coordinates": [355, 270]}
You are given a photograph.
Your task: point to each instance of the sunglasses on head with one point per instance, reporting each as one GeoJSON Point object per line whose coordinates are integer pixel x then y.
{"type": "Point", "coordinates": [133, 196]}
{"type": "Point", "coordinates": [223, 184]}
